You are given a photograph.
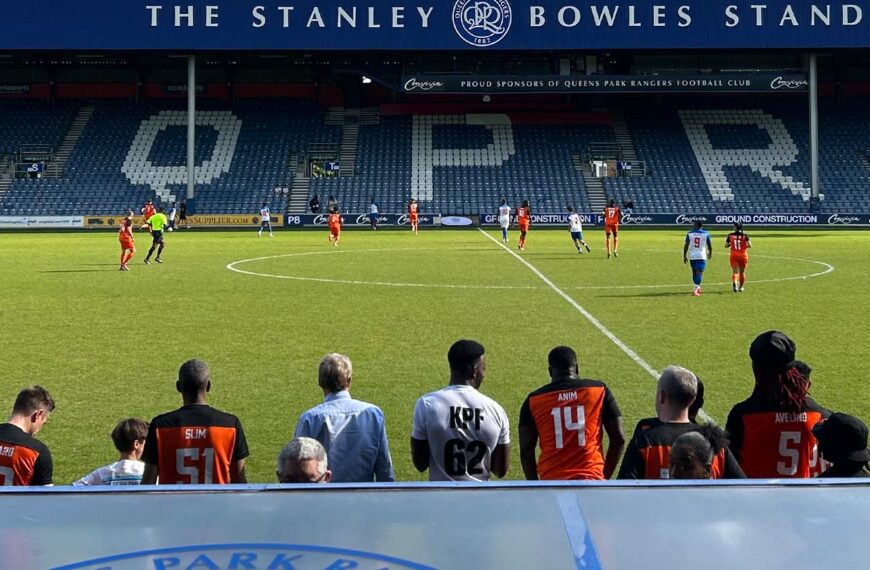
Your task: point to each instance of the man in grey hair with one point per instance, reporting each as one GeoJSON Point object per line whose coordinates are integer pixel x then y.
{"type": "Point", "coordinates": [648, 455]}
{"type": "Point", "coordinates": [353, 433]}
{"type": "Point", "coordinates": [303, 460]}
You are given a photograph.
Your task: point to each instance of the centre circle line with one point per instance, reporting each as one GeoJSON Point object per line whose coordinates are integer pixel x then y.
{"type": "Point", "coordinates": [233, 266]}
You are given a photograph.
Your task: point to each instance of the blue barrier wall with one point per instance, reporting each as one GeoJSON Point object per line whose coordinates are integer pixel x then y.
{"type": "Point", "coordinates": [712, 525]}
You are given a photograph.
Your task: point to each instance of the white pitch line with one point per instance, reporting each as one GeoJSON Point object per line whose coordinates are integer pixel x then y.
{"type": "Point", "coordinates": [233, 267]}
{"type": "Point", "coordinates": [589, 316]}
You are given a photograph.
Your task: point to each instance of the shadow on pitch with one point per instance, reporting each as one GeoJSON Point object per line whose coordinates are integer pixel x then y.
{"type": "Point", "coordinates": [666, 294]}
{"type": "Point", "coordinates": [77, 270]}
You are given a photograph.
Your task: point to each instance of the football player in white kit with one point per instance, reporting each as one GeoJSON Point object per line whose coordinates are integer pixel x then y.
{"type": "Point", "coordinates": [265, 220]}
{"type": "Point", "coordinates": [575, 226]}
{"type": "Point", "coordinates": [697, 249]}
{"type": "Point", "coordinates": [459, 434]}
{"type": "Point", "coordinates": [504, 219]}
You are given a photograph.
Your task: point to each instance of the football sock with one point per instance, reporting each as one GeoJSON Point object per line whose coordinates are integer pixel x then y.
{"type": "Point", "coordinates": [159, 251]}
{"type": "Point", "coordinates": [616, 244]}
{"type": "Point", "coordinates": [742, 279]}
{"type": "Point", "coordinates": [504, 233]}
{"type": "Point", "coordinates": [696, 279]}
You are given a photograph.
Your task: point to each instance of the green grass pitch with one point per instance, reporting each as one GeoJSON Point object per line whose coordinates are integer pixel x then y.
{"type": "Point", "coordinates": [108, 344]}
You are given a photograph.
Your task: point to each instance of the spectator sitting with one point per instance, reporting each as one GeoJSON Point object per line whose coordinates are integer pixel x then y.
{"type": "Point", "coordinates": [779, 413]}
{"type": "Point", "coordinates": [331, 203]}
{"type": "Point", "coordinates": [694, 452]}
{"type": "Point", "coordinates": [25, 460]}
{"type": "Point", "coordinates": [195, 444]}
{"type": "Point", "coordinates": [129, 438]}
{"type": "Point", "coordinates": [303, 460]}
{"type": "Point", "coordinates": [843, 441]}
{"type": "Point", "coordinates": [648, 452]}
{"type": "Point", "coordinates": [314, 205]}
{"type": "Point", "coordinates": [628, 205]}
{"type": "Point", "coordinates": [352, 432]}
{"type": "Point", "coordinates": [691, 457]}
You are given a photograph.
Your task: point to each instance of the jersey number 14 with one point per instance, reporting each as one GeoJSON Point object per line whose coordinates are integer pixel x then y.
{"type": "Point", "coordinates": [569, 424]}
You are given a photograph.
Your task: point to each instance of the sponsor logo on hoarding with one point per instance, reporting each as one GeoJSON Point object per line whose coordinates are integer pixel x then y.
{"type": "Point", "coordinates": [635, 219]}
{"type": "Point", "coordinates": [780, 83]}
{"type": "Point", "coordinates": [253, 556]}
{"type": "Point", "coordinates": [690, 218]}
{"type": "Point", "coordinates": [482, 23]}
{"type": "Point", "coordinates": [846, 220]}
{"type": "Point", "coordinates": [41, 221]}
{"type": "Point", "coordinates": [456, 221]}
{"type": "Point", "coordinates": [320, 219]}
{"type": "Point", "coordinates": [413, 84]}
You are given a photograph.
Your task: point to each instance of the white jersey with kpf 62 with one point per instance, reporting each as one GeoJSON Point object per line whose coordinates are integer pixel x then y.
{"type": "Point", "coordinates": [265, 215]}
{"type": "Point", "coordinates": [463, 427]}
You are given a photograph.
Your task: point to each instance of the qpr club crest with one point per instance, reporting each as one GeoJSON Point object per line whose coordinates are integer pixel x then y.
{"type": "Point", "coordinates": [482, 23]}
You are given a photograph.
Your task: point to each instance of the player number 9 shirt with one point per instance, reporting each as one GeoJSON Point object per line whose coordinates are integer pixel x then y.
{"type": "Point", "coordinates": [194, 445]}
{"type": "Point", "coordinates": [569, 417]}
{"type": "Point", "coordinates": [463, 427]}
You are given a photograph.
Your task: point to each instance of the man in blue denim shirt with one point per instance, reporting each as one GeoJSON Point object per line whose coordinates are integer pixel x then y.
{"type": "Point", "coordinates": [353, 432]}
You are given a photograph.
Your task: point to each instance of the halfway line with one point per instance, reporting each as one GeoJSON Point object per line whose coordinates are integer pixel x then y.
{"type": "Point", "coordinates": [589, 316]}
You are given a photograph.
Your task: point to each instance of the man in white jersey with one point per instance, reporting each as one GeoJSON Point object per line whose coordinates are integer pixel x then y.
{"type": "Point", "coordinates": [265, 220]}
{"type": "Point", "coordinates": [172, 211]}
{"type": "Point", "coordinates": [373, 213]}
{"type": "Point", "coordinates": [504, 219]}
{"type": "Point", "coordinates": [697, 250]}
{"type": "Point", "coordinates": [575, 225]}
{"type": "Point", "coordinates": [129, 438]}
{"type": "Point", "coordinates": [459, 434]}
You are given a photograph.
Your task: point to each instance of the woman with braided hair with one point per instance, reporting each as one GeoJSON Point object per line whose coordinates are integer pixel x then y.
{"type": "Point", "coordinates": [771, 431]}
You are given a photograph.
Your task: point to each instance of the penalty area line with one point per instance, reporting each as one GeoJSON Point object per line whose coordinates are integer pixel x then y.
{"type": "Point", "coordinates": [589, 316]}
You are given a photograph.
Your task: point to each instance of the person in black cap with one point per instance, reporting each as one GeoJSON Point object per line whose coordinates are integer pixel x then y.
{"type": "Point", "coordinates": [843, 441]}
{"type": "Point", "coordinates": [771, 431]}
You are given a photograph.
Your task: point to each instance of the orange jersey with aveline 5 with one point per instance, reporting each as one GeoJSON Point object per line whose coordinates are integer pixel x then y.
{"type": "Point", "coordinates": [334, 221]}
{"type": "Point", "coordinates": [412, 209]}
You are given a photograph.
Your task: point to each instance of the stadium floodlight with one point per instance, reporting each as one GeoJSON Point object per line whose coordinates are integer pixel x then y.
{"type": "Point", "coordinates": [366, 80]}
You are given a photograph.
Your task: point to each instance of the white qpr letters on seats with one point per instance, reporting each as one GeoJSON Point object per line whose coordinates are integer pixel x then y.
{"type": "Point", "coordinates": [424, 158]}
{"type": "Point", "coordinates": [781, 152]}
{"type": "Point", "coordinates": [139, 170]}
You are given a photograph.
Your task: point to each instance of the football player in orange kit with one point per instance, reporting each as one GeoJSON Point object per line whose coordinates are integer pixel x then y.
{"type": "Point", "coordinates": [739, 244]}
{"type": "Point", "coordinates": [524, 220]}
{"type": "Point", "coordinates": [125, 236]}
{"type": "Point", "coordinates": [413, 215]}
{"type": "Point", "coordinates": [612, 216]}
{"type": "Point", "coordinates": [334, 220]}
